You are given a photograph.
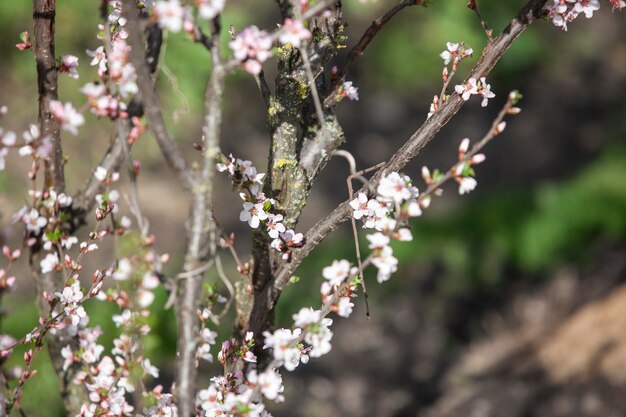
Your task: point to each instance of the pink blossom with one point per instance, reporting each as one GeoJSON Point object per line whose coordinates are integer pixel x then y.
{"type": "Point", "coordinates": [253, 214]}
{"type": "Point", "coordinates": [344, 307]}
{"type": "Point", "coordinates": [394, 187]}
{"type": "Point", "coordinates": [252, 47]}
{"type": "Point", "coordinates": [274, 225]}
{"type": "Point", "coordinates": [338, 272]}
{"type": "Point", "coordinates": [99, 58]}
{"type": "Point", "coordinates": [208, 9]}
{"type": "Point", "coordinates": [359, 205]}
{"type": "Point", "coordinates": [293, 32]}
{"type": "Point", "coordinates": [468, 89]}
{"type": "Point", "coordinates": [169, 14]}
{"type": "Point", "coordinates": [69, 64]}
{"type": "Point", "coordinates": [350, 91]}
{"type": "Point", "coordinates": [485, 91]}
{"type": "Point", "coordinates": [67, 115]}
{"type": "Point", "coordinates": [49, 263]}
{"type": "Point", "coordinates": [466, 184]}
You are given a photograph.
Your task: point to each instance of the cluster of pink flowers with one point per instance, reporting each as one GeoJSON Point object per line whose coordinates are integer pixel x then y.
{"type": "Point", "coordinates": [118, 79]}
{"type": "Point", "coordinates": [206, 338]}
{"type": "Point", "coordinates": [231, 350]}
{"type": "Point", "coordinates": [257, 207]}
{"type": "Point", "coordinates": [252, 47]}
{"type": "Point", "coordinates": [473, 87]}
{"type": "Point", "coordinates": [562, 12]}
{"type": "Point", "coordinates": [350, 91]}
{"type": "Point", "coordinates": [69, 64]}
{"type": "Point", "coordinates": [208, 9]}
{"type": "Point", "coordinates": [293, 32]}
{"type": "Point", "coordinates": [67, 116]}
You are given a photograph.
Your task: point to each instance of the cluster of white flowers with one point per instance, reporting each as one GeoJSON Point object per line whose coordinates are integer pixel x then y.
{"type": "Point", "coordinates": [257, 207]}
{"type": "Point", "coordinates": [106, 395]}
{"type": "Point", "coordinates": [229, 395]}
{"type": "Point", "coordinates": [231, 350]}
{"type": "Point", "coordinates": [336, 274]}
{"type": "Point", "coordinates": [454, 53]}
{"type": "Point", "coordinates": [118, 79]}
{"type": "Point", "coordinates": [37, 220]}
{"type": "Point", "coordinates": [473, 87]}
{"type": "Point", "coordinates": [396, 201]}
{"type": "Point", "coordinates": [562, 12]}
{"type": "Point", "coordinates": [169, 14]}
{"type": "Point", "coordinates": [286, 347]}
{"type": "Point", "coordinates": [89, 350]}
{"type": "Point", "coordinates": [71, 298]}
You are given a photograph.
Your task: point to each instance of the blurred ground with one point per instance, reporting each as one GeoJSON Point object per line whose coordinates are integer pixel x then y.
{"type": "Point", "coordinates": [508, 303]}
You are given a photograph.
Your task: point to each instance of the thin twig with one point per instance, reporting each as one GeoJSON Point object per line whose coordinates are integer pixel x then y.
{"type": "Point", "coordinates": [368, 36]}
{"type": "Point", "coordinates": [228, 285]}
{"type": "Point", "coordinates": [201, 235]}
{"type": "Point", "coordinates": [489, 32]}
{"type": "Point", "coordinates": [492, 133]}
{"type": "Point", "coordinates": [444, 88]}
{"type": "Point", "coordinates": [357, 175]}
{"type": "Point", "coordinates": [263, 88]}
{"type": "Point", "coordinates": [169, 148]}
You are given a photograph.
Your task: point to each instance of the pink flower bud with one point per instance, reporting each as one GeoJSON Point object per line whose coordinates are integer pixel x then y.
{"type": "Point", "coordinates": [477, 159]}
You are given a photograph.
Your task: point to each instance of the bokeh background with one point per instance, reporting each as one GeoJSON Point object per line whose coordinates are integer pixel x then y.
{"type": "Point", "coordinates": [509, 302]}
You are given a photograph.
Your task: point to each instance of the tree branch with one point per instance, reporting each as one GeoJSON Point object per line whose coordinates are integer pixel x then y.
{"type": "Point", "coordinates": [44, 32]}
{"type": "Point", "coordinates": [43, 19]}
{"type": "Point", "coordinates": [201, 237]}
{"type": "Point", "coordinates": [265, 301]}
{"type": "Point", "coordinates": [170, 150]}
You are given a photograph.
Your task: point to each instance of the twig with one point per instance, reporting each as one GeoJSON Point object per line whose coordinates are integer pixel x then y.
{"type": "Point", "coordinates": [84, 199]}
{"type": "Point", "coordinates": [264, 88]}
{"type": "Point", "coordinates": [357, 175]}
{"type": "Point", "coordinates": [489, 32]}
{"type": "Point", "coordinates": [492, 133]}
{"type": "Point", "coordinates": [313, 88]}
{"type": "Point", "coordinates": [368, 36]}
{"type": "Point", "coordinates": [170, 150]}
{"type": "Point", "coordinates": [43, 19]}
{"type": "Point", "coordinates": [228, 285]}
{"type": "Point", "coordinates": [444, 88]}
{"type": "Point", "coordinates": [201, 236]}
{"type": "Point", "coordinates": [44, 33]}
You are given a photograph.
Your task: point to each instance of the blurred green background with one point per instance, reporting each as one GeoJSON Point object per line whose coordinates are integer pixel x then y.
{"type": "Point", "coordinates": [551, 193]}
